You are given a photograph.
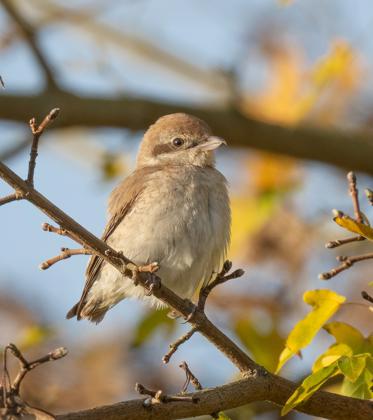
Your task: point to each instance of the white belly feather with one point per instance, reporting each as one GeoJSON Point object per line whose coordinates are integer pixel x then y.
{"type": "Point", "coordinates": [183, 224]}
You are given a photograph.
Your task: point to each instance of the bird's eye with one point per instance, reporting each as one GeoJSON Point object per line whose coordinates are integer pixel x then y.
{"type": "Point", "coordinates": [177, 142]}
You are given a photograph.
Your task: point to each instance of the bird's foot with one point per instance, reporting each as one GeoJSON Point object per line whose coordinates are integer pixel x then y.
{"type": "Point", "coordinates": [152, 283]}
{"type": "Point", "coordinates": [193, 311]}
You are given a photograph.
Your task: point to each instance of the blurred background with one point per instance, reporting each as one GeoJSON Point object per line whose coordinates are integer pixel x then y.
{"type": "Point", "coordinates": [287, 83]}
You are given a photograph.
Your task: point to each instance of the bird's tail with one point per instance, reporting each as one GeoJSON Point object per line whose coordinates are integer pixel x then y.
{"type": "Point", "coordinates": [73, 311]}
{"type": "Point", "coordinates": [92, 313]}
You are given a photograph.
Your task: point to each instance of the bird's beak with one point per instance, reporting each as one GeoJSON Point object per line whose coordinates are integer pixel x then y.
{"type": "Point", "coordinates": [212, 143]}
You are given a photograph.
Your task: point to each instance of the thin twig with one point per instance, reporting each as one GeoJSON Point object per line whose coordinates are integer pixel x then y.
{"type": "Point", "coordinates": [160, 397]}
{"type": "Point", "coordinates": [347, 262]}
{"type": "Point", "coordinates": [221, 278]}
{"type": "Point", "coordinates": [339, 242]}
{"type": "Point", "coordinates": [59, 231]}
{"type": "Point", "coordinates": [65, 253]}
{"type": "Point", "coordinates": [354, 193]}
{"type": "Point", "coordinates": [190, 378]}
{"type": "Point", "coordinates": [26, 366]}
{"type": "Point", "coordinates": [2, 82]}
{"type": "Point", "coordinates": [37, 131]}
{"type": "Point", "coordinates": [175, 345]}
{"type": "Point", "coordinates": [11, 404]}
{"type": "Point", "coordinates": [367, 296]}
{"type": "Point", "coordinates": [11, 197]}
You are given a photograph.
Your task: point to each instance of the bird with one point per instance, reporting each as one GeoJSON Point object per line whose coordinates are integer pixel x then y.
{"type": "Point", "coordinates": [173, 209]}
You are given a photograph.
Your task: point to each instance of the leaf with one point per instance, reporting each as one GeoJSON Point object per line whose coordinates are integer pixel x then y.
{"type": "Point", "coordinates": [353, 226]}
{"type": "Point", "coordinates": [223, 416]}
{"type": "Point", "coordinates": [352, 367]}
{"type": "Point", "coordinates": [310, 385]}
{"type": "Point", "coordinates": [334, 352]}
{"type": "Point", "coordinates": [33, 336]}
{"type": "Point", "coordinates": [150, 322]}
{"type": "Point", "coordinates": [362, 386]}
{"type": "Point", "coordinates": [325, 303]}
{"type": "Point", "coordinates": [265, 346]}
{"type": "Point", "coordinates": [346, 334]}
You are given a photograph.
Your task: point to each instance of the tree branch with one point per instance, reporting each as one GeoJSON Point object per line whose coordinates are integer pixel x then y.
{"type": "Point", "coordinates": [234, 394]}
{"type": "Point", "coordinates": [343, 148]}
{"type": "Point", "coordinates": [30, 37]}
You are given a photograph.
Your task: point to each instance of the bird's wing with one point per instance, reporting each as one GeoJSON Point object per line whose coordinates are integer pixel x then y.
{"type": "Point", "coordinates": [120, 203]}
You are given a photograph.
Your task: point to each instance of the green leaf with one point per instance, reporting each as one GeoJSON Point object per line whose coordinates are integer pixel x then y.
{"type": "Point", "coordinates": [352, 367]}
{"type": "Point", "coordinates": [324, 303]}
{"type": "Point", "coordinates": [334, 352]}
{"type": "Point", "coordinates": [346, 334]}
{"type": "Point", "coordinates": [310, 385]}
{"type": "Point", "coordinates": [150, 322]}
{"type": "Point", "coordinates": [362, 386]}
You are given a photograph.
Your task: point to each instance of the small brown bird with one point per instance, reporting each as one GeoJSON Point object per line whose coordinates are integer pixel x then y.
{"type": "Point", "coordinates": [173, 210]}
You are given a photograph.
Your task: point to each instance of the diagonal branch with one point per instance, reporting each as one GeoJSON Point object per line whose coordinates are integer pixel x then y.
{"type": "Point", "coordinates": [30, 37]}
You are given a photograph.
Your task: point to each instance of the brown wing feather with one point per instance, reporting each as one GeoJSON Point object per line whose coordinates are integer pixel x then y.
{"type": "Point", "coordinates": [120, 203]}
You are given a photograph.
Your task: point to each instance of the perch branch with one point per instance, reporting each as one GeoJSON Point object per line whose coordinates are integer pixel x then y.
{"type": "Point", "coordinates": [65, 253]}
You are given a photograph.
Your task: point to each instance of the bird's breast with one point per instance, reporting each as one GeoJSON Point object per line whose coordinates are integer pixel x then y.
{"type": "Point", "coordinates": [182, 221]}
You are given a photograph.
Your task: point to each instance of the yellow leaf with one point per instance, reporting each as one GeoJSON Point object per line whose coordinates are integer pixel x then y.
{"type": "Point", "coordinates": [33, 336]}
{"type": "Point", "coordinates": [324, 303]}
{"type": "Point", "coordinates": [353, 226]}
{"type": "Point", "coordinates": [346, 334]}
{"type": "Point", "coordinates": [334, 352]}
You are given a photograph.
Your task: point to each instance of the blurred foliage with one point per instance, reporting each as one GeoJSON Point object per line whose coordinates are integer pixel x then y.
{"type": "Point", "coordinates": [149, 323]}
{"type": "Point", "coordinates": [34, 335]}
{"type": "Point", "coordinates": [264, 345]}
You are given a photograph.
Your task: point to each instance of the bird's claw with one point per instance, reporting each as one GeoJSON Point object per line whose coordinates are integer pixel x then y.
{"type": "Point", "coordinates": [152, 283]}
{"type": "Point", "coordinates": [192, 313]}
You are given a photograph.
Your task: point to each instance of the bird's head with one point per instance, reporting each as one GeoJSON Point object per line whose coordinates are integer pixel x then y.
{"type": "Point", "coordinates": [179, 139]}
